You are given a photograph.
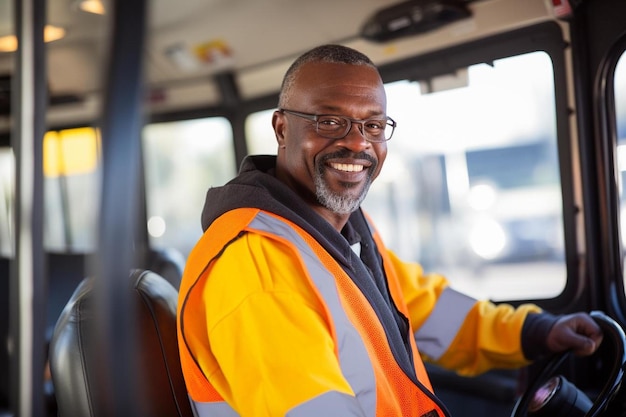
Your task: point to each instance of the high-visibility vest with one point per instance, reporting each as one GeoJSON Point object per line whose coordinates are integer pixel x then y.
{"type": "Point", "coordinates": [379, 384]}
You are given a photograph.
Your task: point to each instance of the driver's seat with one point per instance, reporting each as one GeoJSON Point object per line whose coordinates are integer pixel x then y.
{"type": "Point", "coordinates": [73, 359]}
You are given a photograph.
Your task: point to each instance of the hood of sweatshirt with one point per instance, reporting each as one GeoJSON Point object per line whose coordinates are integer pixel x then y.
{"type": "Point", "coordinates": [257, 187]}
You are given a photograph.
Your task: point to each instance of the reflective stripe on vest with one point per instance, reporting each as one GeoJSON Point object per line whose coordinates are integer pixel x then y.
{"type": "Point", "coordinates": [380, 386]}
{"type": "Point", "coordinates": [443, 324]}
{"type": "Point", "coordinates": [353, 357]}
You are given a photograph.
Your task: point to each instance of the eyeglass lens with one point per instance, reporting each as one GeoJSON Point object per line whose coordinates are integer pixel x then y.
{"type": "Point", "coordinates": [336, 127]}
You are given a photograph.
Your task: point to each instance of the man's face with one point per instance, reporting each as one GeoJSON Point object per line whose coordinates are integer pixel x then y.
{"type": "Point", "coordinates": [332, 175]}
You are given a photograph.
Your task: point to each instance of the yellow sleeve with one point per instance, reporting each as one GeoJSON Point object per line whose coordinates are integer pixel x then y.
{"type": "Point", "coordinates": [490, 338]}
{"type": "Point", "coordinates": [267, 330]}
{"type": "Point", "coordinates": [488, 335]}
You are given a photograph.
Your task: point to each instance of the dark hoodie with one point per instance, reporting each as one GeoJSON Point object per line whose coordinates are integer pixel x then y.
{"type": "Point", "coordinates": [257, 187]}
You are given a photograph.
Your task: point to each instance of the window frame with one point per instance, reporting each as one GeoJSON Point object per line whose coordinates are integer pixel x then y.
{"type": "Point", "coordinates": [606, 131]}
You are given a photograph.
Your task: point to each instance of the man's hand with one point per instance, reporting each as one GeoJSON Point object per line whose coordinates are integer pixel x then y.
{"type": "Point", "coordinates": [578, 332]}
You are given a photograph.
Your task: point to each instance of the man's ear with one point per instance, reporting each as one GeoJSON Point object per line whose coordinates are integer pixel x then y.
{"type": "Point", "coordinates": [278, 122]}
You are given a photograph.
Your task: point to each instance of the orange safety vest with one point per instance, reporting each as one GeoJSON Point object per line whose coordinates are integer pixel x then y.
{"type": "Point", "coordinates": [377, 380]}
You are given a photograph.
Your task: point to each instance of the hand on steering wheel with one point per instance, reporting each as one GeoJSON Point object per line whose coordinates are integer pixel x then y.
{"type": "Point", "coordinates": [556, 397]}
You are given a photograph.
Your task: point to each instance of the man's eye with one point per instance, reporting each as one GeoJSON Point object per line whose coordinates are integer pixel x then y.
{"type": "Point", "coordinates": [375, 125]}
{"type": "Point", "coordinates": [331, 121]}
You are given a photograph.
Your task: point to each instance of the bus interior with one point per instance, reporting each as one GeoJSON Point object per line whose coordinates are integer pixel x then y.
{"type": "Point", "coordinates": [506, 172]}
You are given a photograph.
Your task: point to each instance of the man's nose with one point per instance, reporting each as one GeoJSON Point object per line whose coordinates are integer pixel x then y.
{"type": "Point", "coordinates": [356, 136]}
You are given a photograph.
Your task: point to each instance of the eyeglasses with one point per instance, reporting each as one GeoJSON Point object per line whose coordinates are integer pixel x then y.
{"type": "Point", "coordinates": [337, 127]}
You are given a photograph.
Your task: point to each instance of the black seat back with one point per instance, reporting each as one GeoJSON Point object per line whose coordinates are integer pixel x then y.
{"type": "Point", "coordinates": [73, 359]}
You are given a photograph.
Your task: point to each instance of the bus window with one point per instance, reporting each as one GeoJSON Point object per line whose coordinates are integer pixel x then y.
{"type": "Point", "coordinates": [473, 173]}
{"type": "Point", "coordinates": [182, 160]}
{"type": "Point", "coordinates": [71, 189]}
{"type": "Point", "coordinates": [260, 138]}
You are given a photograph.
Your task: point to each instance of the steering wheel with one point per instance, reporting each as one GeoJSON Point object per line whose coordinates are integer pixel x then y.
{"type": "Point", "coordinates": [558, 397]}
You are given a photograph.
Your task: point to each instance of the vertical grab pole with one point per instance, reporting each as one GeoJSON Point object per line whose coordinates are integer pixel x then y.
{"type": "Point", "coordinates": [121, 131]}
{"type": "Point", "coordinates": [28, 284]}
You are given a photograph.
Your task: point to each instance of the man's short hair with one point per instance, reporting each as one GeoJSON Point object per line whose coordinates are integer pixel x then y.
{"type": "Point", "coordinates": [336, 54]}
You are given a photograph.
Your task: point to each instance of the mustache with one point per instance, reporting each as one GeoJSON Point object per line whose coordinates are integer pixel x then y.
{"type": "Point", "coordinates": [345, 154]}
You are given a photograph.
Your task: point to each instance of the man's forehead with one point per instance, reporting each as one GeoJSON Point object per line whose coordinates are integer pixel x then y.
{"type": "Point", "coordinates": [322, 81]}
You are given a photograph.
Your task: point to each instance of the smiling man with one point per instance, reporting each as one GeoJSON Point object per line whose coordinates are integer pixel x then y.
{"type": "Point", "coordinates": [291, 305]}
{"type": "Point", "coordinates": [332, 179]}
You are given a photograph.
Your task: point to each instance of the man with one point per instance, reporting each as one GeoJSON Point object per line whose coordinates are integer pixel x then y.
{"type": "Point", "coordinates": [290, 303]}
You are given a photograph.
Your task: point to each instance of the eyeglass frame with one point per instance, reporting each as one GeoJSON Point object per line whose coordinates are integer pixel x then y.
{"type": "Point", "coordinates": [315, 118]}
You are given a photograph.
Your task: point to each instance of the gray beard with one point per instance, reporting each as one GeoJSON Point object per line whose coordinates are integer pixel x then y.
{"type": "Point", "coordinates": [338, 203]}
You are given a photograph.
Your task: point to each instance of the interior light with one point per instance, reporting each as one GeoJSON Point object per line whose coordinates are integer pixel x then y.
{"type": "Point", "coordinates": [91, 6]}
{"type": "Point", "coordinates": [53, 33]}
{"type": "Point", "coordinates": [8, 43]}
{"type": "Point", "coordinates": [50, 33]}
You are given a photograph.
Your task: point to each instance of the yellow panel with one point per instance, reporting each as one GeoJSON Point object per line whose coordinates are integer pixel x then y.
{"type": "Point", "coordinates": [51, 154]}
{"type": "Point", "coordinates": [71, 152]}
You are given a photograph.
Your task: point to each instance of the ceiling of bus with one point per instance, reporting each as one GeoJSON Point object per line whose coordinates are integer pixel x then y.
{"type": "Point", "coordinates": [191, 40]}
